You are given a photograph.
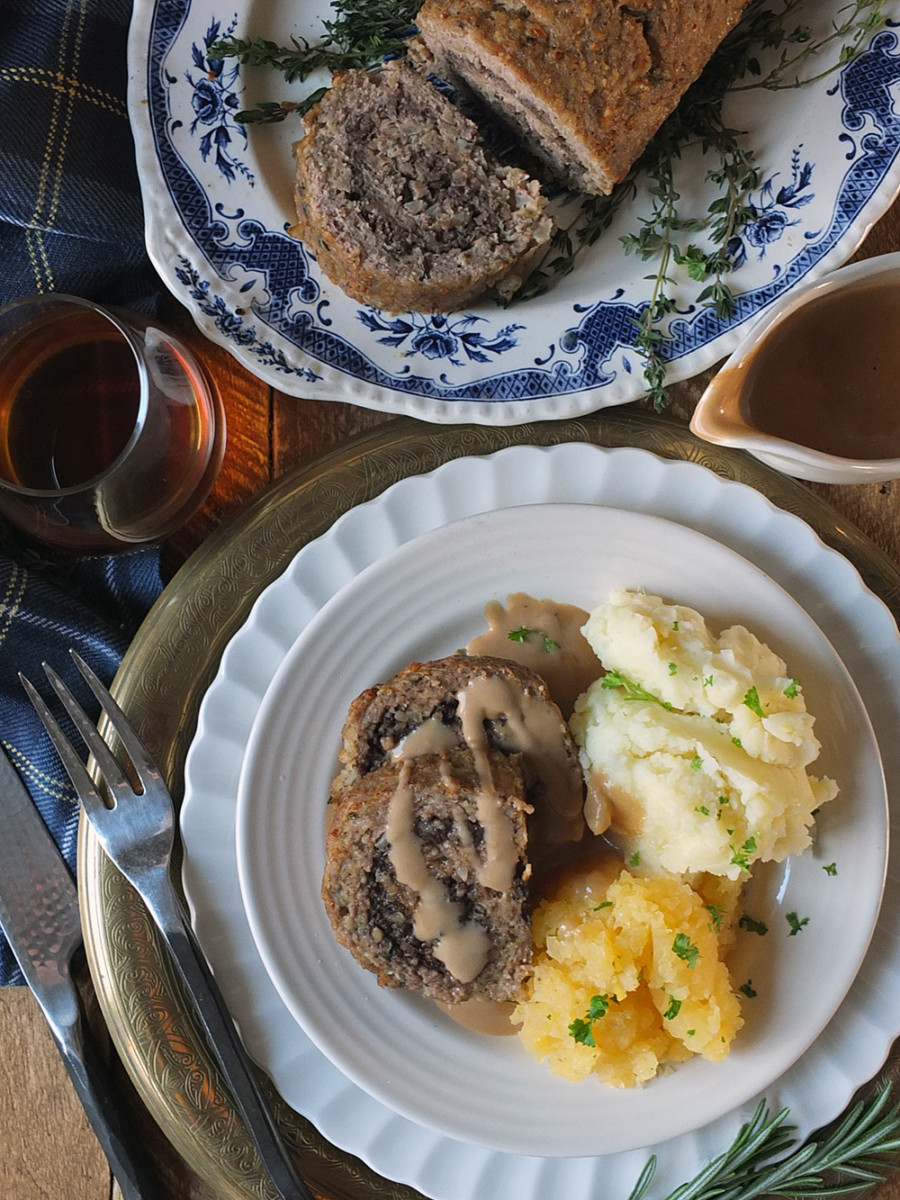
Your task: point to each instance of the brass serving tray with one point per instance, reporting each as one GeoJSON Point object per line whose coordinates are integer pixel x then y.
{"type": "Point", "coordinates": [162, 681]}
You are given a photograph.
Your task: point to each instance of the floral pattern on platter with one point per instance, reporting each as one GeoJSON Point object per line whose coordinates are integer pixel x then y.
{"type": "Point", "coordinates": [826, 174]}
{"type": "Point", "coordinates": [769, 211]}
{"type": "Point", "coordinates": [215, 103]}
{"type": "Point", "coordinates": [439, 336]}
{"type": "Point", "coordinates": [232, 326]}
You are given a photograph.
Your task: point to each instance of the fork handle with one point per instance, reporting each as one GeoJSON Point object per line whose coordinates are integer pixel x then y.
{"type": "Point", "coordinates": [175, 928]}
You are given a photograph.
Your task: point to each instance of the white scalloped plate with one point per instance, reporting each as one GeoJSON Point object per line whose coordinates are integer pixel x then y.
{"type": "Point", "coordinates": [817, 1087]}
{"type": "Point", "coordinates": [426, 599]}
{"type": "Point", "coordinates": [218, 201]}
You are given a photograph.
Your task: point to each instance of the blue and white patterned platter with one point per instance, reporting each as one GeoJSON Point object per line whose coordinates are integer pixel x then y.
{"type": "Point", "coordinates": [218, 202]}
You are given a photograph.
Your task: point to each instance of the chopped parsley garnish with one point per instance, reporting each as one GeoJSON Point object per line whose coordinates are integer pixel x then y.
{"type": "Point", "coordinates": [830, 868]}
{"type": "Point", "coordinates": [752, 925]}
{"type": "Point", "coordinates": [673, 668]}
{"type": "Point", "coordinates": [796, 923]}
{"type": "Point", "coordinates": [751, 699]}
{"type": "Point", "coordinates": [742, 857]}
{"type": "Point", "coordinates": [633, 691]}
{"type": "Point", "coordinates": [717, 914]}
{"type": "Point", "coordinates": [792, 689]}
{"type": "Point", "coordinates": [635, 859]}
{"type": "Point", "coordinates": [603, 904]}
{"type": "Point", "coordinates": [748, 989]}
{"type": "Point", "coordinates": [685, 949]}
{"type": "Point", "coordinates": [696, 763]}
{"type": "Point", "coordinates": [523, 632]}
{"type": "Point", "coordinates": [582, 1028]}
{"type": "Point", "coordinates": [673, 1010]}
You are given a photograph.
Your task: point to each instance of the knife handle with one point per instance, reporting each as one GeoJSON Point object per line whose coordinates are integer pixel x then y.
{"type": "Point", "coordinates": [93, 1081]}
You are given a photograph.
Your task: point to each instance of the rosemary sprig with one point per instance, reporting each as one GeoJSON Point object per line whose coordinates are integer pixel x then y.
{"type": "Point", "coordinates": [860, 1150]}
{"type": "Point", "coordinates": [362, 34]}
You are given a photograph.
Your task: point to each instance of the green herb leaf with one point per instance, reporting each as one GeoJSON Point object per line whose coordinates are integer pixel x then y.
{"type": "Point", "coordinates": [717, 914]}
{"type": "Point", "coordinates": [685, 949]}
{"type": "Point", "coordinates": [523, 632]}
{"type": "Point", "coordinates": [796, 923]}
{"type": "Point", "coordinates": [362, 34]}
{"type": "Point", "coordinates": [673, 1010]}
{"type": "Point", "coordinates": [751, 699]}
{"type": "Point", "coordinates": [633, 691]}
{"type": "Point", "coordinates": [752, 925]}
{"type": "Point", "coordinates": [743, 857]}
{"type": "Point", "coordinates": [854, 1153]}
{"type": "Point", "coordinates": [582, 1028]}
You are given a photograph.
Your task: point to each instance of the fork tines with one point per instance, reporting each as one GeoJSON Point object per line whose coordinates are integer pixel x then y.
{"type": "Point", "coordinates": [107, 763]}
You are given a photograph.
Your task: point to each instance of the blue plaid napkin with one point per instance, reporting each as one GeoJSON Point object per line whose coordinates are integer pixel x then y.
{"type": "Point", "coordinates": [71, 221]}
{"type": "Point", "coordinates": [70, 209]}
{"type": "Point", "coordinates": [94, 606]}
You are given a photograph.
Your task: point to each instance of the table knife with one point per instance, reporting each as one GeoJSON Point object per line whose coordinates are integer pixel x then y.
{"type": "Point", "coordinates": [40, 916]}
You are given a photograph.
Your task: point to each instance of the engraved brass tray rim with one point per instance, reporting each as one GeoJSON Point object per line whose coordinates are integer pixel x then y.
{"type": "Point", "coordinates": [163, 678]}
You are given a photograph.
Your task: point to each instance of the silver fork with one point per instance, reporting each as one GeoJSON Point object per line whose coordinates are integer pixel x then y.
{"type": "Point", "coordinates": [138, 833]}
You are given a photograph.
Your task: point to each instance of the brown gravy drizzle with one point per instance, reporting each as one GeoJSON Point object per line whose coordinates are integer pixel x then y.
{"type": "Point", "coordinates": [568, 667]}
{"type": "Point", "coordinates": [462, 946]}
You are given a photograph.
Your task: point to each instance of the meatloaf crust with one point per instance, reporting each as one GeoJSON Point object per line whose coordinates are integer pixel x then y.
{"type": "Point", "coordinates": [429, 694]}
{"type": "Point", "coordinates": [401, 204]}
{"type": "Point", "coordinates": [584, 83]}
{"type": "Point", "coordinates": [373, 913]}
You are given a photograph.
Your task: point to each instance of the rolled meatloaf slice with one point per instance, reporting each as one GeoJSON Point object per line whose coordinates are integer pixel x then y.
{"type": "Point", "coordinates": [401, 204]}
{"type": "Point", "coordinates": [479, 703]}
{"type": "Point", "coordinates": [584, 83]}
{"type": "Point", "coordinates": [410, 884]}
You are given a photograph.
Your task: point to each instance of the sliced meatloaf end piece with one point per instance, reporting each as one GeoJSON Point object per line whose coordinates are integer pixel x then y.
{"type": "Point", "coordinates": [583, 83]}
{"type": "Point", "coordinates": [454, 937]}
{"type": "Point", "coordinates": [401, 204]}
{"type": "Point", "coordinates": [507, 708]}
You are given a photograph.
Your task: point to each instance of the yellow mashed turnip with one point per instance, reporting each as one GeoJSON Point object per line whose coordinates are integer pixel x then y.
{"type": "Point", "coordinates": [630, 981]}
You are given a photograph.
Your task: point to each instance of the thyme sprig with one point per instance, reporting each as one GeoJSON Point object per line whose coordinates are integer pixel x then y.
{"type": "Point", "coordinates": [766, 28]}
{"type": "Point", "coordinates": [362, 34]}
{"type": "Point", "coordinates": [698, 121]}
{"type": "Point", "coordinates": [667, 235]}
{"type": "Point", "coordinates": [860, 1150]}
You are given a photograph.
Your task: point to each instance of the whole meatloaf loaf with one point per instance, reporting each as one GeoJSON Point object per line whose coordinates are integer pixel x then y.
{"type": "Point", "coordinates": [404, 883]}
{"type": "Point", "coordinates": [401, 204]}
{"type": "Point", "coordinates": [584, 83]}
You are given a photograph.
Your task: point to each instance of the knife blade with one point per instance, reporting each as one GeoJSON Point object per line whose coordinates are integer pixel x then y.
{"type": "Point", "coordinates": [40, 916]}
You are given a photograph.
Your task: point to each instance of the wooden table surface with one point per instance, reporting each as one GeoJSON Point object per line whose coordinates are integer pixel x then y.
{"type": "Point", "coordinates": [46, 1147]}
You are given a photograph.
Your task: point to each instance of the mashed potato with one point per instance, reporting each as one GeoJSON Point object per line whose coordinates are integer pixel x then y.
{"type": "Point", "coordinates": [630, 981]}
{"type": "Point", "coordinates": [697, 744]}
